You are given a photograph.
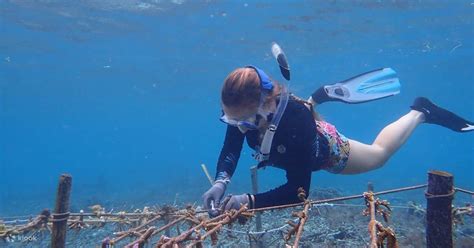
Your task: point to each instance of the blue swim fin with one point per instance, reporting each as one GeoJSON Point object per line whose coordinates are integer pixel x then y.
{"type": "Point", "coordinates": [365, 87]}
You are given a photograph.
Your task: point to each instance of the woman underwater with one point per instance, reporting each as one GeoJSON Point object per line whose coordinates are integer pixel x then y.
{"type": "Point", "coordinates": [303, 142]}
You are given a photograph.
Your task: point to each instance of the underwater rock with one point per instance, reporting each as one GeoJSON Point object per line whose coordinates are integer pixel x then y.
{"type": "Point", "coordinates": [342, 234]}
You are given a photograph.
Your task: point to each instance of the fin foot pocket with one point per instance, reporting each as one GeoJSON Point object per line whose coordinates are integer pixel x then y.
{"type": "Point", "coordinates": [440, 116]}
{"type": "Point", "coordinates": [369, 86]}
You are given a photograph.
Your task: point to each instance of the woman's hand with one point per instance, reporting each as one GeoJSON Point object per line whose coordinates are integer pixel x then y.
{"type": "Point", "coordinates": [235, 202]}
{"type": "Point", "coordinates": [212, 198]}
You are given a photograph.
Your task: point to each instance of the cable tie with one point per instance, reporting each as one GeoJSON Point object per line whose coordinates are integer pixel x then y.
{"type": "Point", "coordinates": [60, 217]}
{"type": "Point", "coordinates": [432, 196]}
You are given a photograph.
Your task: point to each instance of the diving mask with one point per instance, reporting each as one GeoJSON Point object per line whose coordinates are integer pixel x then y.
{"type": "Point", "coordinates": [250, 123]}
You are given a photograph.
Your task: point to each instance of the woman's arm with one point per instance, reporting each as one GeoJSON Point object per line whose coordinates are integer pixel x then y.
{"type": "Point", "coordinates": [288, 192]}
{"type": "Point", "coordinates": [230, 153]}
{"type": "Point", "coordinates": [302, 135]}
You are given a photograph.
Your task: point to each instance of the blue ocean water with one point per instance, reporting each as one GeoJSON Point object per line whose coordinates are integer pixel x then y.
{"type": "Point", "coordinates": [124, 95]}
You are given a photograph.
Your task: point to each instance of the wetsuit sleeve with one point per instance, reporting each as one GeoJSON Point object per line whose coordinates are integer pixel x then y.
{"type": "Point", "coordinates": [286, 193]}
{"type": "Point", "coordinates": [302, 130]}
{"type": "Point", "coordinates": [230, 153]}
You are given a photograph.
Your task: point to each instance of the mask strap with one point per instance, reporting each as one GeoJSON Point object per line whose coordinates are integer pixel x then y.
{"type": "Point", "coordinates": [265, 82]}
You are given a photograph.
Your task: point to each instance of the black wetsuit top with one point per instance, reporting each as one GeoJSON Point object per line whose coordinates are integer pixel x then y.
{"type": "Point", "coordinates": [297, 147]}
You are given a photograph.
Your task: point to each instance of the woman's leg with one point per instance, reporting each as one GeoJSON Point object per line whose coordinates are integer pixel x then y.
{"type": "Point", "coordinates": [363, 157]}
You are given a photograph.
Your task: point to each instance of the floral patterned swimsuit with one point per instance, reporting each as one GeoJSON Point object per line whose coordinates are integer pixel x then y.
{"type": "Point", "coordinates": [338, 147]}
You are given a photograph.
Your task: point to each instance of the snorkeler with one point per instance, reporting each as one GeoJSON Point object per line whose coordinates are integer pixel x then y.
{"type": "Point", "coordinates": [287, 133]}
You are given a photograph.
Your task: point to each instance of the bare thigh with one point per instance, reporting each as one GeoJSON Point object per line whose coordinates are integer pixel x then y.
{"type": "Point", "coordinates": [364, 157]}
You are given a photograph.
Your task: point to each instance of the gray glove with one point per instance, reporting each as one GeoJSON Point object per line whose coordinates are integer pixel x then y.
{"type": "Point", "coordinates": [235, 202]}
{"type": "Point", "coordinates": [212, 198]}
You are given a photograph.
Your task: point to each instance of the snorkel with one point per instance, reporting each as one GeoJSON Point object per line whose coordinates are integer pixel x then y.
{"type": "Point", "coordinates": [263, 153]}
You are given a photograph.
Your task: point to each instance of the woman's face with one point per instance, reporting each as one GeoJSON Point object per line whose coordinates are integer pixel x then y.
{"type": "Point", "coordinates": [248, 114]}
{"type": "Point", "coordinates": [241, 114]}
